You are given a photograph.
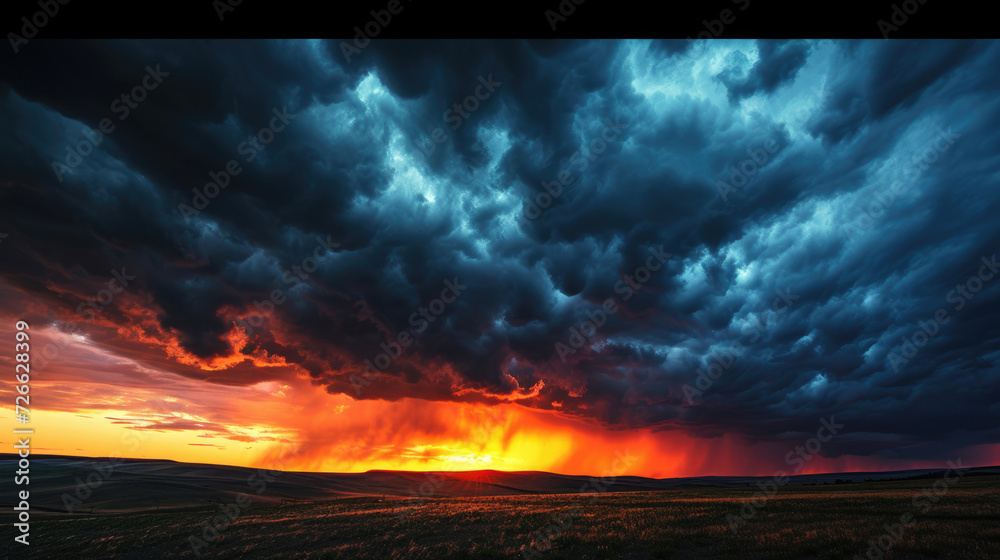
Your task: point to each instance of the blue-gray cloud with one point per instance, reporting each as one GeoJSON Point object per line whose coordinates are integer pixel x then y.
{"type": "Point", "coordinates": [876, 202]}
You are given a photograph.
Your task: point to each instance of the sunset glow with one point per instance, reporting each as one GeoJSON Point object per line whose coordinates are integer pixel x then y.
{"type": "Point", "coordinates": [163, 415]}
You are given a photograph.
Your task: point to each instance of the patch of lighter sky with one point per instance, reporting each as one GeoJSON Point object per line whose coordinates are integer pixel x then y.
{"type": "Point", "coordinates": [811, 390]}
{"type": "Point", "coordinates": [444, 192]}
{"type": "Point", "coordinates": [693, 73]}
{"type": "Point", "coordinates": [794, 104]}
{"type": "Point", "coordinates": [319, 54]}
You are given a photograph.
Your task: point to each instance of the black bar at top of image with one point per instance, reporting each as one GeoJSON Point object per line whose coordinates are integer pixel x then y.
{"type": "Point", "coordinates": [541, 19]}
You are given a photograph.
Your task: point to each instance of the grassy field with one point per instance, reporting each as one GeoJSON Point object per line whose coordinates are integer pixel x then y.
{"type": "Point", "coordinates": [814, 522]}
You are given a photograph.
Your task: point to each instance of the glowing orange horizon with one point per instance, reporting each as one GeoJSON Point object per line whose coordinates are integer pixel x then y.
{"type": "Point", "coordinates": [91, 402]}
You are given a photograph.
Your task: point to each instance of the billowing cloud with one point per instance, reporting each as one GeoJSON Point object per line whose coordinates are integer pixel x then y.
{"type": "Point", "coordinates": [785, 216]}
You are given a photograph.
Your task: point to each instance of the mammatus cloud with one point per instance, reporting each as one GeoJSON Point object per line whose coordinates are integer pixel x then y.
{"type": "Point", "coordinates": [851, 123]}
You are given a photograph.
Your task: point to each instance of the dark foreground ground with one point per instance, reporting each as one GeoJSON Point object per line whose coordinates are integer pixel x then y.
{"type": "Point", "coordinates": [814, 522]}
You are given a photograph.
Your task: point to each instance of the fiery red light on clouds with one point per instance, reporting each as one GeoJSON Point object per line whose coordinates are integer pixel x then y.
{"type": "Point", "coordinates": [90, 397]}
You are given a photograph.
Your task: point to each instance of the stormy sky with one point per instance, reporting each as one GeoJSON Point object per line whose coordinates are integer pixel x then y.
{"type": "Point", "coordinates": [786, 216]}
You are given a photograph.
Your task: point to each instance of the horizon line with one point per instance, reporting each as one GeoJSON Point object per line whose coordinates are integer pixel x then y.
{"type": "Point", "coordinates": [14, 456]}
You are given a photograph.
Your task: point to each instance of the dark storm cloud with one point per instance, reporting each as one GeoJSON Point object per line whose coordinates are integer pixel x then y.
{"type": "Point", "coordinates": [778, 62]}
{"type": "Point", "coordinates": [880, 200]}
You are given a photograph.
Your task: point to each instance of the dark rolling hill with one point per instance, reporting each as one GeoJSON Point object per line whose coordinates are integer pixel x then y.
{"type": "Point", "coordinates": [59, 483]}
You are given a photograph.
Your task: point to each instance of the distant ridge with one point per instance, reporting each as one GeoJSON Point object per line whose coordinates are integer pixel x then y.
{"type": "Point", "coordinates": [141, 484]}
